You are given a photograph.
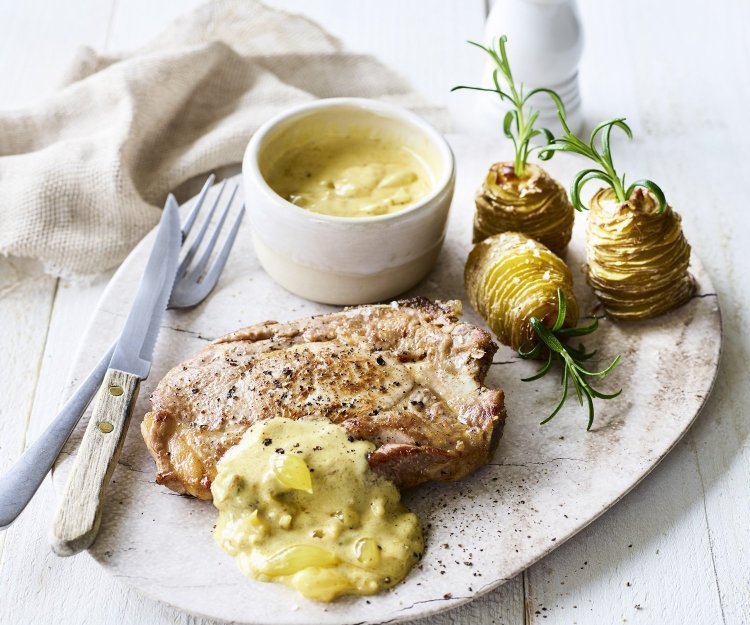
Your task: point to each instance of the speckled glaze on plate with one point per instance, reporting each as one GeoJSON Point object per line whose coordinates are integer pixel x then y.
{"type": "Point", "coordinates": [544, 484]}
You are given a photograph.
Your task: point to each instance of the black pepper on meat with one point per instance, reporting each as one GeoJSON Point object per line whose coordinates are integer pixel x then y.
{"type": "Point", "coordinates": [421, 400]}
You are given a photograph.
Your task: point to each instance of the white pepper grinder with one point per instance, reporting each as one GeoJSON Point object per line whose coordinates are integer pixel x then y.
{"type": "Point", "coordinates": [545, 42]}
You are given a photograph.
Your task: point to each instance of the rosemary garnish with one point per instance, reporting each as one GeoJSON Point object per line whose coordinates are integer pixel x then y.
{"type": "Point", "coordinates": [606, 172]}
{"type": "Point", "coordinates": [518, 124]}
{"type": "Point", "coordinates": [554, 339]}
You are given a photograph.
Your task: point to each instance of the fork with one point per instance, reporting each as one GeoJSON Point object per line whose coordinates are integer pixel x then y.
{"type": "Point", "coordinates": [193, 282]}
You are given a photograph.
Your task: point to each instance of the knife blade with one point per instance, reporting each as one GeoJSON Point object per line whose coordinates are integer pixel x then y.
{"type": "Point", "coordinates": [78, 517]}
{"type": "Point", "coordinates": [135, 347]}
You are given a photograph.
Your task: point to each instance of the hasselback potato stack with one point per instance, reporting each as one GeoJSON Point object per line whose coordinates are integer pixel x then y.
{"type": "Point", "coordinates": [518, 196]}
{"type": "Point", "coordinates": [637, 256]}
{"type": "Point", "coordinates": [533, 203]}
{"type": "Point", "coordinates": [511, 278]}
{"type": "Point", "coordinates": [525, 294]}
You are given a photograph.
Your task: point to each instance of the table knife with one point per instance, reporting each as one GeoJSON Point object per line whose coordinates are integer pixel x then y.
{"type": "Point", "coordinates": [78, 517]}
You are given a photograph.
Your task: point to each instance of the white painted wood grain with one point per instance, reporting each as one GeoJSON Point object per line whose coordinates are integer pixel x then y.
{"type": "Point", "coordinates": [43, 587]}
{"type": "Point", "coordinates": [25, 305]}
{"type": "Point", "coordinates": [26, 31]}
{"type": "Point", "coordinates": [26, 294]}
{"type": "Point", "coordinates": [38, 38]}
{"type": "Point", "coordinates": [425, 41]}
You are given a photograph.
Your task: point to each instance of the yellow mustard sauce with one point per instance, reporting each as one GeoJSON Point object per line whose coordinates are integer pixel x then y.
{"type": "Point", "coordinates": [298, 504]}
{"type": "Point", "coordinates": [353, 175]}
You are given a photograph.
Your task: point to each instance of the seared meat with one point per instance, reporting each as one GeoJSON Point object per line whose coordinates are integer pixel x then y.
{"type": "Point", "coordinates": [406, 376]}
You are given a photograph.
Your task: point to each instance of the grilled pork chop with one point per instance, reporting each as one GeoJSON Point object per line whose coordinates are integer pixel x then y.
{"type": "Point", "coordinates": [406, 376]}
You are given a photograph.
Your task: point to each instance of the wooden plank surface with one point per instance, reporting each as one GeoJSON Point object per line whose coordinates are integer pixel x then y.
{"type": "Point", "coordinates": [26, 297]}
{"type": "Point", "coordinates": [423, 41]}
{"type": "Point", "coordinates": [680, 82]}
{"type": "Point", "coordinates": [26, 294]}
{"type": "Point", "coordinates": [660, 64]}
{"type": "Point", "coordinates": [39, 39]}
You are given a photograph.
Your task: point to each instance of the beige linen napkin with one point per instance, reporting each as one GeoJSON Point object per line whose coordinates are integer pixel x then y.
{"type": "Point", "coordinates": [84, 173]}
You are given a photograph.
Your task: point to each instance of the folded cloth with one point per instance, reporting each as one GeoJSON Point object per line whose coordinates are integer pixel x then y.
{"type": "Point", "coordinates": [84, 173]}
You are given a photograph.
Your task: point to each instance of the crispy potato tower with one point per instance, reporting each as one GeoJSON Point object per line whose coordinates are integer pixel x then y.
{"type": "Point", "coordinates": [511, 278]}
{"type": "Point", "coordinates": [534, 204]}
{"type": "Point", "coordinates": [637, 258]}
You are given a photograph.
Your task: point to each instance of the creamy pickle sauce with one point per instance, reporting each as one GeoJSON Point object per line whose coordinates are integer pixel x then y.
{"type": "Point", "coordinates": [353, 175]}
{"type": "Point", "coordinates": [299, 504]}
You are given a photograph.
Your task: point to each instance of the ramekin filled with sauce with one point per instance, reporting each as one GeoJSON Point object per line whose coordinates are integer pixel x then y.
{"type": "Point", "coordinates": [348, 199]}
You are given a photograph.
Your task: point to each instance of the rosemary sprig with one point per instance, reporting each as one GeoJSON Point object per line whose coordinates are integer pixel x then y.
{"type": "Point", "coordinates": [518, 124]}
{"type": "Point", "coordinates": [554, 339]}
{"type": "Point", "coordinates": [602, 156]}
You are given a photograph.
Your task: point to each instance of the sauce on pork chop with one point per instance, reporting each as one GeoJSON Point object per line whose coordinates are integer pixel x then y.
{"type": "Point", "coordinates": [407, 377]}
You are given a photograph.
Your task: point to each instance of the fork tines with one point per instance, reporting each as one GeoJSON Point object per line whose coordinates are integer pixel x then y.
{"type": "Point", "coordinates": [194, 280]}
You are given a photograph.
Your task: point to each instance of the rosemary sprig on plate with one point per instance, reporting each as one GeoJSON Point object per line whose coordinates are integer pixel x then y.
{"type": "Point", "coordinates": [554, 340]}
{"type": "Point", "coordinates": [519, 122]}
{"type": "Point", "coordinates": [601, 155]}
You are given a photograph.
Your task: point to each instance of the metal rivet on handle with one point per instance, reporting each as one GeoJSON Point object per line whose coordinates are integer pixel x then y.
{"type": "Point", "coordinates": [106, 427]}
{"type": "Point", "coordinates": [116, 390]}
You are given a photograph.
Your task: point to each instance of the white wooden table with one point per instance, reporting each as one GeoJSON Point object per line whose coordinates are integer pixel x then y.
{"type": "Point", "coordinates": [674, 551]}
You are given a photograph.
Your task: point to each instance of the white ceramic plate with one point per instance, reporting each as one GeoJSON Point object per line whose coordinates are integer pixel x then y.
{"type": "Point", "coordinates": [544, 484]}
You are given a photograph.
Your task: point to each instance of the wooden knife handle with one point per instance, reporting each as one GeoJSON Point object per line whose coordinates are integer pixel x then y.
{"type": "Point", "coordinates": [79, 514]}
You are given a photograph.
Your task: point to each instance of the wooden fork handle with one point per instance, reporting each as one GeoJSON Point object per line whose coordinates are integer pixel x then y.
{"type": "Point", "coordinates": [78, 517]}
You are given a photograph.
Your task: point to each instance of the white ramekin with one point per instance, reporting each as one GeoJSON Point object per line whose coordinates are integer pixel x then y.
{"type": "Point", "coordinates": [346, 260]}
